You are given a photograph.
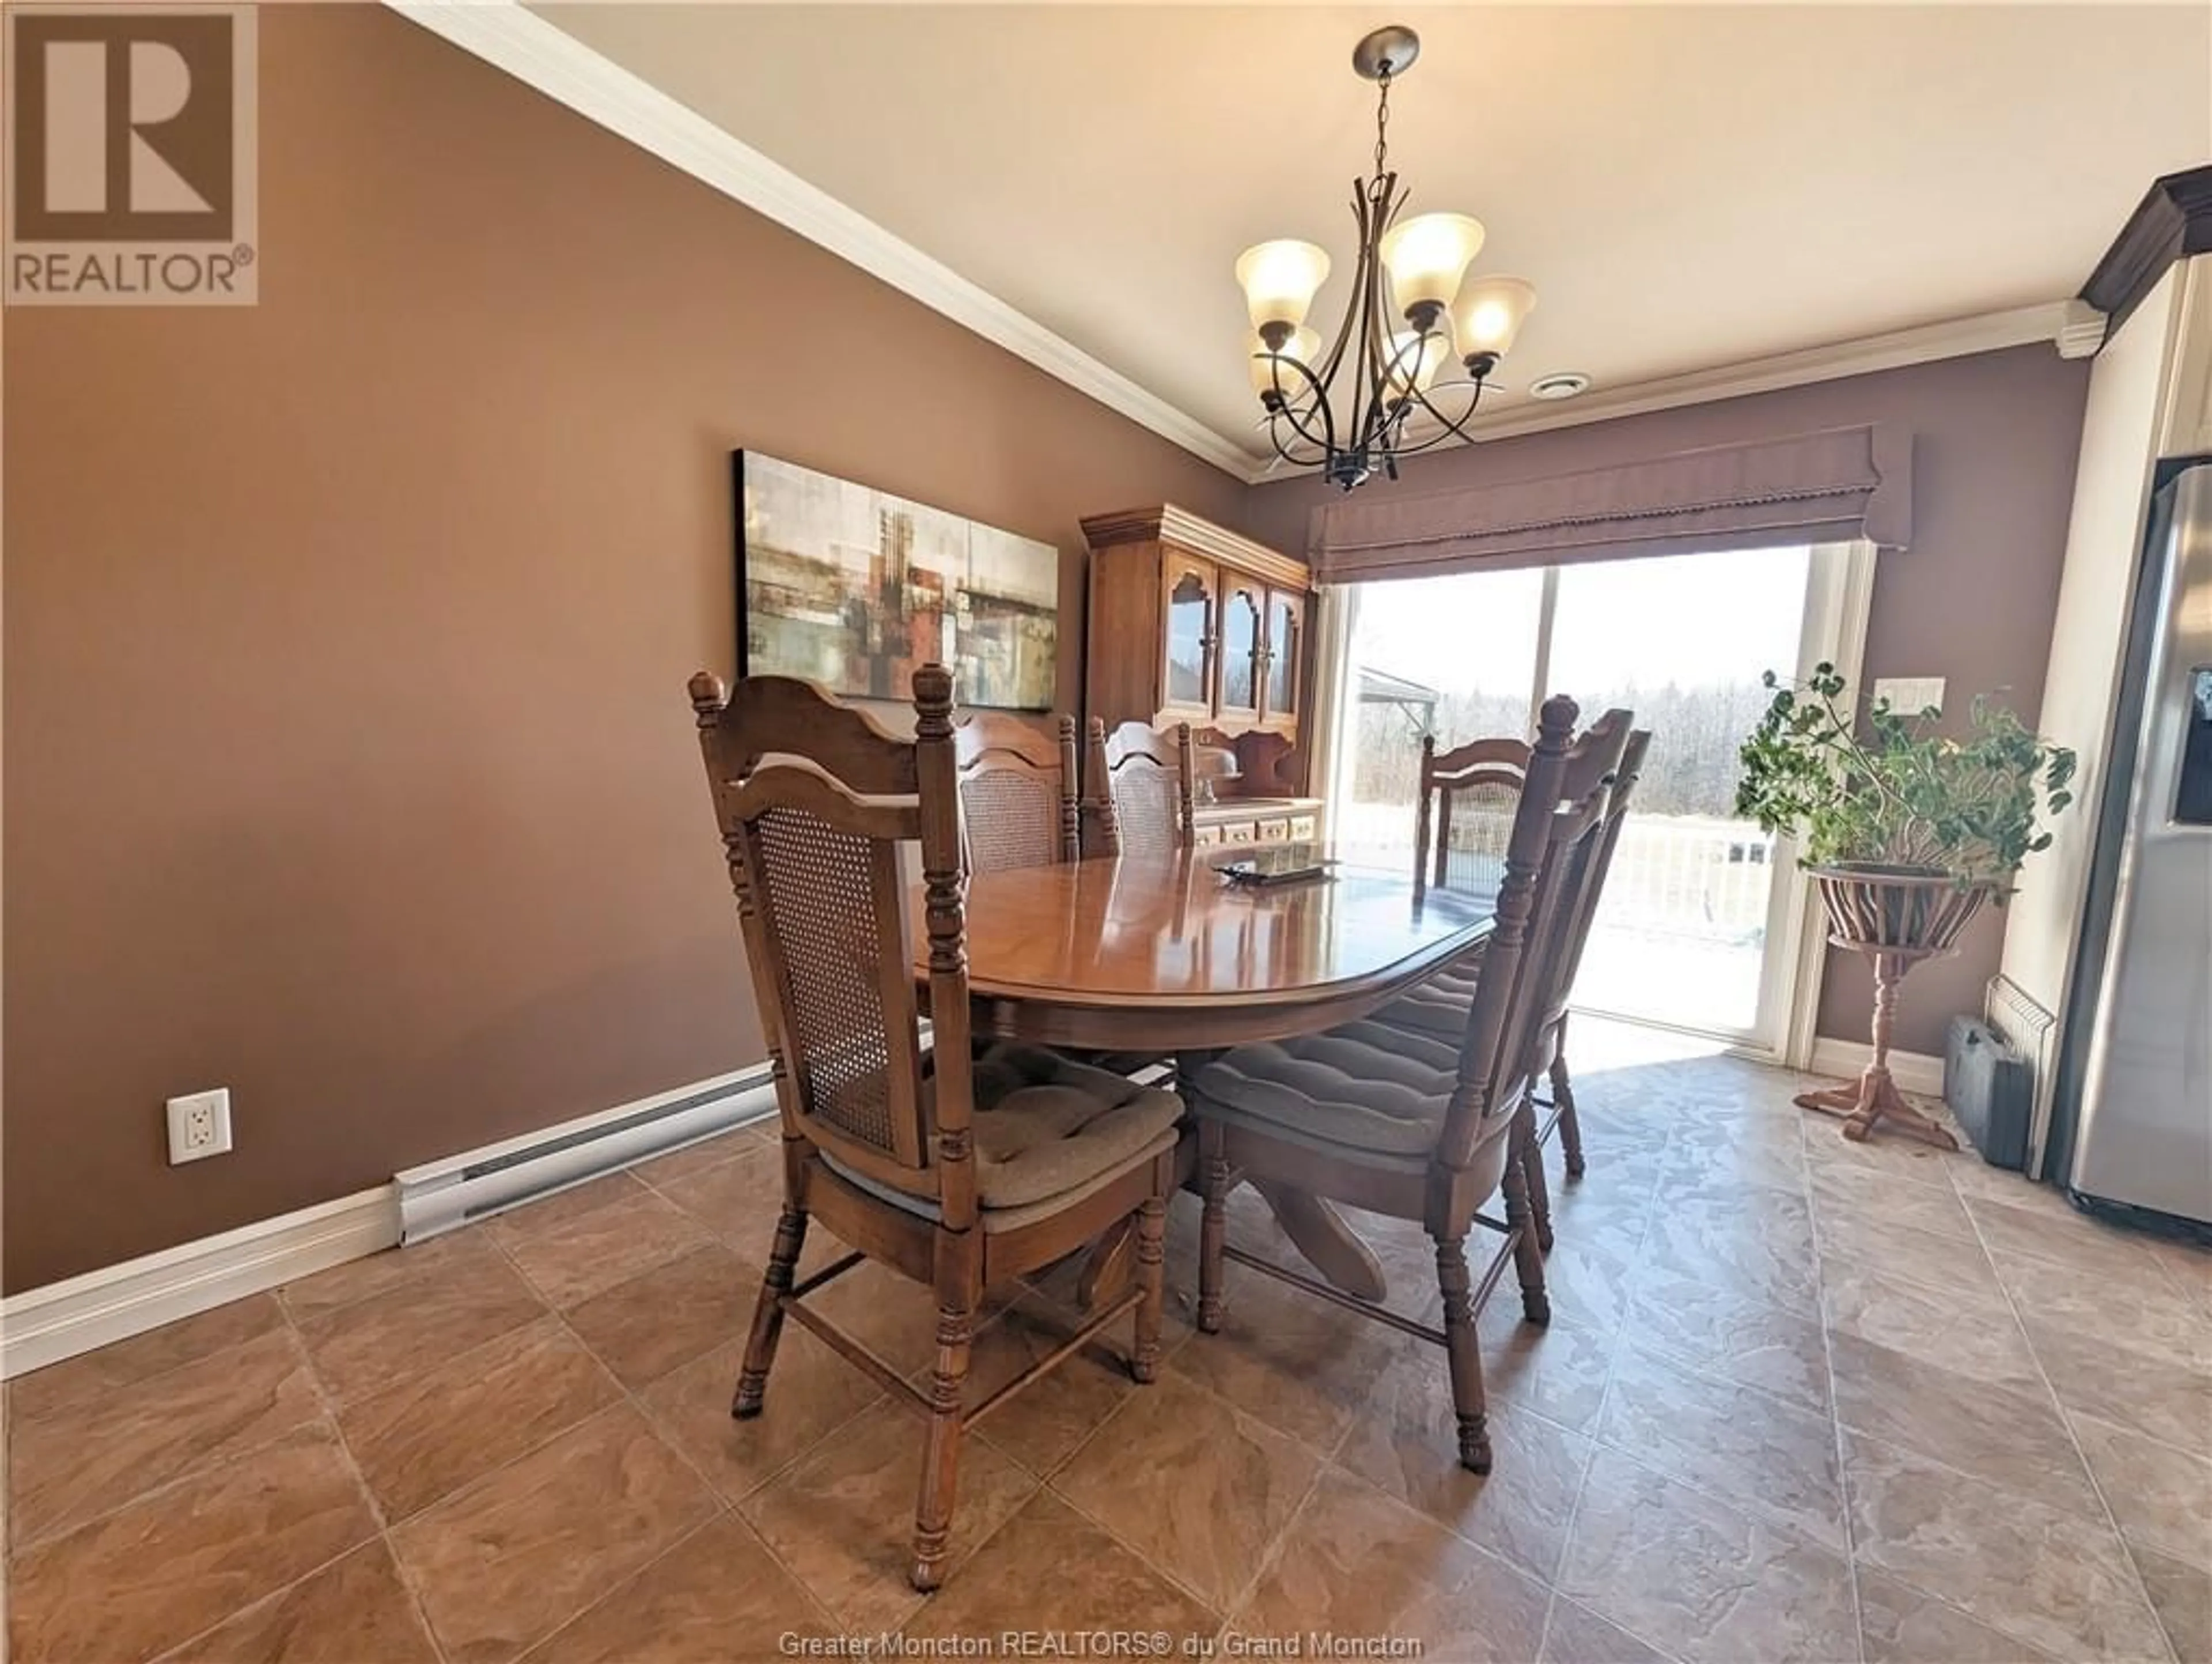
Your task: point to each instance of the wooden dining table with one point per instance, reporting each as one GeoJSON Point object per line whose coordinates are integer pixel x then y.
{"type": "Point", "coordinates": [1162, 954]}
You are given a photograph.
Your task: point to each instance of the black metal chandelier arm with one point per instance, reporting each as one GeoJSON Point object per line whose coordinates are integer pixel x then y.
{"type": "Point", "coordinates": [1310, 455]}
{"type": "Point", "coordinates": [1371, 393]}
{"type": "Point", "coordinates": [1380, 354]}
{"type": "Point", "coordinates": [1392, 430]}
{"type": "Point", "coordinates": [1401, 365]}
{"type": "Point", "coordinates": [1327, 370]}
{"type": "Point", "coordinates": [1381, 406]}
{"type": "Point", "coordinates": [1322, 443]}
{"type": "Point", "coordinates": [1288, 411]}
{"type": "Point", "coordinates": [1454, 427]}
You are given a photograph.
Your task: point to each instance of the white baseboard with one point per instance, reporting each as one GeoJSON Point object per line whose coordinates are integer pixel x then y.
{"type": "Point", "coordinates": [44, 1326]}
{"type": "Point", "coordinates": [1913, 1072]}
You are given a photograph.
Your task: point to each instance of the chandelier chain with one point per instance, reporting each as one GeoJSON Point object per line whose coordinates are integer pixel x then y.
{"type": "Point", "coordinates": [1382, 119]}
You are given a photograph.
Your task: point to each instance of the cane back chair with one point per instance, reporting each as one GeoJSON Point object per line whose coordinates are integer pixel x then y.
{"type": "Point", "coordinates": [1462, 821]}
{"type": "Point", "coordinates": [1143, 788]}
{"type": "Point", "coordinates": [1017, 791]}
{"type": "Point", "coordinates": [1438, 1007]}
{"type": "Point", "coordinates": [1139, 800]}
{"type": "Point", "coordinates": [954, 1170]}
{"type": "Point", "coordinates": [1464, 814]}
{"type": "Point", "coordinates": [1407, 1125]}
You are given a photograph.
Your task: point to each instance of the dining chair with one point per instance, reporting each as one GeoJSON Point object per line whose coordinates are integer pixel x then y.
{"type": "Point", "coordinates": [1018, 790]}
{"type": "Point", "coordinates": [1465, 811]}
{"type": "Point", "coordinates": [1410, 1126]}
{"type": "Point", "coordinates": [1551, 1037]}
{"type": "Point", "coordinates": [1143, 788]}
{"type": "Point", "coordinates": [1139, 802]}
{"type": "Point", "coordinates": [955, 1170]}
{"type": "Point", "coordinates": [1439, 1006]}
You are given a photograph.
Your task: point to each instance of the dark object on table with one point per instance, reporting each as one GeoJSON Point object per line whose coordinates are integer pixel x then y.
{"type": "Point", "coordinates": [1282, 863]}
{"type": "Point", "coordinates": [1991, 1088]}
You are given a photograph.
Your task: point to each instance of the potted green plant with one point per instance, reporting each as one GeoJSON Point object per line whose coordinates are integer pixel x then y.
{"type": "Point", "coordinates": [1905, 830]}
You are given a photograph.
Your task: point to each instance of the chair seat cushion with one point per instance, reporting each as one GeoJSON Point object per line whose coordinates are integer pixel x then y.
{"type": "Point", "coordinates": [1364, 1088]}
{"type": "Point", "coordinates": [1438, 1005]}
{"type": "Point", "coordinates": [1046, 1124]}
{"type": "Point", "coordinates": [1048, 1131]}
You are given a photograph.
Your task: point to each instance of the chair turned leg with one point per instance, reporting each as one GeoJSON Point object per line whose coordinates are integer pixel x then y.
{"type": "Point", "coordinates": [1464, 1355]}
{"type": "Point", "coordinates": [940, 1451]}
{"type": "Point", "coordinates": [1528, 1152]}
{"type": "Point", "coordinates": [1152, 1284]}
{"type": "Point", "coordinates": [1213, 1222]}
{"type": "Point", "coordinates": [768, 1313]}
{"type": "Point", "coordinates": [1528, 1253]}
{"type": "Point", "coordinates": [1563, 1101]}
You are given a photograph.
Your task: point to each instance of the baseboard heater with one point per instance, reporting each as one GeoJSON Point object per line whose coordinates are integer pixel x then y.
{"type": "Point", "coordinates": [1991, 1088]}
{"type": "Point", "coordinates": [2014, 1015]}
{"type": "Point", "coordinates": [442, 1196]}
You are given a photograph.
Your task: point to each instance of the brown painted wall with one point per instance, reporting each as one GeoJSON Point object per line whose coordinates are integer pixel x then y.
{"type": "Point", "coordinates": [1973, 601]}
{"type": "Point", "coordinates": [350, 762]}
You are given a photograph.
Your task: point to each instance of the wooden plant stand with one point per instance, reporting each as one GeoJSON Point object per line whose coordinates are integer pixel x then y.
{"type": "Point", "coordinates": [1895, 920]}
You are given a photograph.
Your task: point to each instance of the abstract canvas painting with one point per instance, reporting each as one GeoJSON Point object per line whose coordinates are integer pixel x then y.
{"type": "Point", "coordinates": [854, 589]}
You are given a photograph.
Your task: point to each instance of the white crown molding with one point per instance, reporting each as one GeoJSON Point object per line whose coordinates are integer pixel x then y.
{"type": "Point", "coordinates": [1957, 337]}
{"type": "Point", "coordinates": [2082, 334]}
{"type": "Point", "coordinates": [506, 34]}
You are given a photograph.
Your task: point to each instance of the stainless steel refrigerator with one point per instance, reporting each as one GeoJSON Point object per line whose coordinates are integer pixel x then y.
{"type": "Point", "coordinates": [2132, 1116]}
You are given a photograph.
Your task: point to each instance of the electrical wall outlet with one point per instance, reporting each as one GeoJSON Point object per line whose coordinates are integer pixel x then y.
{"type": "Point", "coordinates": [199, 1126]}
{"type": "Point", "coordinates": [1909, 696]}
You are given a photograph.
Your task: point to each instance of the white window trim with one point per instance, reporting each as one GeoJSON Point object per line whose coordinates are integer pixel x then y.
{"type": "Point", "coordinates": [1838, 600]}
{"type": "Point", "coordinates": [1335, 696]}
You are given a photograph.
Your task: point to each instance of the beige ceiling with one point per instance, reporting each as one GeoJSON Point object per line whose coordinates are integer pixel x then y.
{"type": "Point", "coordinates": [1688, 188]}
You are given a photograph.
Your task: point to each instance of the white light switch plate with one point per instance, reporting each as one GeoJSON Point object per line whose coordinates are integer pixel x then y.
{"type": "Point", "coordinates": [199, 1126]}
{"type": "Point", "coordinates": [1909, 696]}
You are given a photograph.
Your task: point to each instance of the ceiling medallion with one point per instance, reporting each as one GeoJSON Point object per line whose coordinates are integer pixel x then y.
{"type": "Point", "coordinates": [1390, 350]}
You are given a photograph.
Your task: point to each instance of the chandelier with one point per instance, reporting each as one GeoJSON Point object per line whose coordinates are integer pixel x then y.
{"type": "Point", "coordinates": [1391, 350]}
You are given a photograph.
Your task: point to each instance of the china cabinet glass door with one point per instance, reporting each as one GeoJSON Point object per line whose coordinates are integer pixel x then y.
{"type": "Point", "coordinates": [1191, 643]}
{"type": "Point", "coordinates": [1286, 640]}
{"type": "Point", "coordinates": [1240, 651]}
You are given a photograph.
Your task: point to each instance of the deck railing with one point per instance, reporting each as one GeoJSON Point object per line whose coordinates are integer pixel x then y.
{"type": "Point", "coordinates": [1695, 876]}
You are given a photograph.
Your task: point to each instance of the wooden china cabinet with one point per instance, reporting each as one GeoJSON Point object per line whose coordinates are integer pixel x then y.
{"type": "Point", "coordinates": [1191, 623]}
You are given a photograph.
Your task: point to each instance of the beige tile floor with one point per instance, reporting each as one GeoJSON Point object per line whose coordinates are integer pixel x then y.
{"type": "Point", "coordinates": [1802, 1400]}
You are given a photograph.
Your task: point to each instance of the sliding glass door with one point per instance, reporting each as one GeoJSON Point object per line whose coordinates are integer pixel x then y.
{"type": "Point", "coordinates": [1449, 656]}
{"type": "Point", "coordinates": [1698, 926]}
{"type": "Point", "coordinates": [1682, 640]}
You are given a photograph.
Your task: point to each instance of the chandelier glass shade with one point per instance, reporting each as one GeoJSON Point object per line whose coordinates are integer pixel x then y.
{"type": "Point", "coordinates": [1380, 390]}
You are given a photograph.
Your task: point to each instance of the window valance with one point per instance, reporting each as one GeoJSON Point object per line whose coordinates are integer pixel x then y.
{"type": "Point", "coordinates": [1845, 482]}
